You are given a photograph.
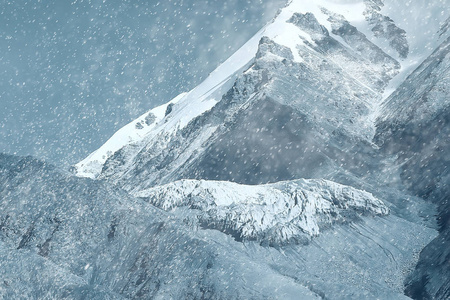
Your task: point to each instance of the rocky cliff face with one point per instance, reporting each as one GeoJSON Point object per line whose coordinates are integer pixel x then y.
{"type": "Point", "coordinates": [298, 100]}
{"type": "Point", "coordinates": [384, 27]}
{"type": "Point", "coordinates": [310, 61]}
{"type": "Point", "coordinates": [415, 127]}
{"type": "Point", "coordinates": [261, 128]}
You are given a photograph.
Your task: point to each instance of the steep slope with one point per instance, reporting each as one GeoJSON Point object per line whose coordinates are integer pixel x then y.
{"type": "Point", "coordinates": [414, 123]}
{"type": "Point", "coordinates": [268, 75]}
{"type": "Point", "coordinates": [298, 100]}
{"type": "Point", "coordinates": [258, 132]}
{"type": "Point", "coordinates": [83, 239]}
{"type": "Point", "coordinates": [415, 129]}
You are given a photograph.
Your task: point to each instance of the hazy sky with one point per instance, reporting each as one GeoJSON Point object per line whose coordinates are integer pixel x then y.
{"type": "Point", "coordinates": [73, 72]}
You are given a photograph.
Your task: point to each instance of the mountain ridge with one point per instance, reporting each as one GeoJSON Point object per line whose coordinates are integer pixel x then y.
{"type": "Point", "coordinates": [201, 99]}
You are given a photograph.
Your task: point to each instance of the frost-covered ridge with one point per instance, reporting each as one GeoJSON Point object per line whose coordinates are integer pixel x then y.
{"type": "Point", "coordinates": [133, 132]}
{"type": "Point", "coordinates": [289, 211]}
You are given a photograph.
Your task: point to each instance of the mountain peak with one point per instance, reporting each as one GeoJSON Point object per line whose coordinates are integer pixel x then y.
{"type": "Point", "coordinates": [329, 61]}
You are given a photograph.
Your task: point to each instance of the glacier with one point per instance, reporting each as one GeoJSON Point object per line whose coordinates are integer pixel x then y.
{"type": "Point", "coordinates": [273, 214]}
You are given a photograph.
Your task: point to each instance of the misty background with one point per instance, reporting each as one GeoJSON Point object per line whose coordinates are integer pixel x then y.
{"type": "Point", "coordinates": [74, 72]}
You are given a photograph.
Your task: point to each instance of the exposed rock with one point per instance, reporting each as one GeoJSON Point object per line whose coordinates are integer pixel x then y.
{"type": "Point", "coordinates": [385, 27]}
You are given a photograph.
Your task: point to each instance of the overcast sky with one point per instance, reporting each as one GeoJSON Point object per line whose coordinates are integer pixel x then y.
{"type": "Point", "coordinates": [73, 72]}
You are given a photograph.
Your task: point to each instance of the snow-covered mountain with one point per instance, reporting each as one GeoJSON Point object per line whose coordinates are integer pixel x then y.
{"type": "Point", "coordinates": [310, 82]}
{"type": "Point", "coordinates": [350, 91]}
{"type": "Point", "coordinates": [300, 168]}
